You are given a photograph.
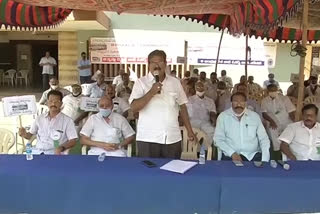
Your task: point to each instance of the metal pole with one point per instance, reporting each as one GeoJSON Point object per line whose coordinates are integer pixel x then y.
{"type": "Point", "coordinates": [302, 60]}
{"type": "Point", "coordinates": [218, 53]}
{"type": "Point", "coordinates": [185, 57]}
{"type": "Point", "coordinates": [246, 62]}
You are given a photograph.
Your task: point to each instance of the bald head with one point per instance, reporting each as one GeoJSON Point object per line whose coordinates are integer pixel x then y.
{"type": "Point", "coordinates": [105, 103]}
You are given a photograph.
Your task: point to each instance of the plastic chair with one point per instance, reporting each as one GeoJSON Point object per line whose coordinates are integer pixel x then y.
{"type": "Point", "coordinates": [22, 75]}
{"type": "Point", "coordinates": [9, 76]}
{"type": "Point", "coordinates": [84, 150]}
{"type": "Point", "coordinates": [6, 141]}
{"type": "Point", "coordinates": [85, 88]}
{"type": "Point", "coordinates": [190, 149]}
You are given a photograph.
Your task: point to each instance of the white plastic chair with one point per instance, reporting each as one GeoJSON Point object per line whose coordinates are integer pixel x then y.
{"type": "Point", "coordinates": [190, 149]}
{"type": "Point", "coordinates": [85, 89]}
{"type": "Point", "coordinates": [312, 100]}
{"type": "Point", "coordinates": [84, 150]}
{"type": "Point", "coordinates": [6, 141]}
{"type": "Point", "coordinates": [9, 76]}
{"type": "Point", "coordinates": [22, 75]}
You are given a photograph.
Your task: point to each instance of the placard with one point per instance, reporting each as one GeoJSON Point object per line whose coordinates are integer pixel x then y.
{"type": "Point", "coordinates": [19, 105]}
{"type": "Point", "coordinates": [89, 104]}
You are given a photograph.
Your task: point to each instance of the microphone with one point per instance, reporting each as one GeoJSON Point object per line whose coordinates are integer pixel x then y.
{"type": "Point", "coordinates": [284, 165]}
{"type": "Point", "coordinates": [156, 76]}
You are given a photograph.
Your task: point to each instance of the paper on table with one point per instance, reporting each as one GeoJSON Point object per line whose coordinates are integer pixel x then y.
{"type": "Point", "coordinates": [178, 166]}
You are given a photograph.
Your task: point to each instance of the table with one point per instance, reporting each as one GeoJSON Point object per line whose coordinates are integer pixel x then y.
{"type": "Point", "coordinates": [81, 184]}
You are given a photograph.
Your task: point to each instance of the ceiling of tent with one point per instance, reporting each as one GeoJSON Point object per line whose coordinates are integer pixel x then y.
{"type": "Point", "coordinates": [261, 17]}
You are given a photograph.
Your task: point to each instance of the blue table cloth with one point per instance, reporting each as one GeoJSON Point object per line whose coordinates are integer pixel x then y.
{"type": "Point", "coordinates": [81, 184]}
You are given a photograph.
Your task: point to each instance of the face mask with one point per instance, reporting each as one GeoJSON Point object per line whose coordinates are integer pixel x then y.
{"type": "Point", "coordinates": [54, 87]}
{"type": "Point", "coordinates": [104, 112]}
{"type": "Point", "coordinates": [313, 84]}
{"type": "Point", "coordinates": [200, 94]}
{"type": "Point", "coordinates": [239, 115]}
{"type": "Point", "coordinates": [273, 94]}
{"type": "Point", "coordinates": [220, 91]}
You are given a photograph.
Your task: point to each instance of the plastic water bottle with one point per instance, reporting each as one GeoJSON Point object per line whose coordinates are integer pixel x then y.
{"type": "Point", "coordinates": [101, 157]}
{"type": "Point", "coordinates": [273, 164]}
{"type": "Point", "coordinates": [202, 156]}
{"type": "Point", "coordinates": [29, 155]}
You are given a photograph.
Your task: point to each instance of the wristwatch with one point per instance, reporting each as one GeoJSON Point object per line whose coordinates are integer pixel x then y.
{"type": "Point", "coordinates": [62, 148]}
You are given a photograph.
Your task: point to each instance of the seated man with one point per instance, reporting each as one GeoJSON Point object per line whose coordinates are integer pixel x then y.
{"type": "Point", "coordinates": [223, 98]}
{"type": "Point", "coordinates": [254, 88]}
{"type": "Point", "coordinates": [202, 111]}
{"type": "Point", "coordinates": [313, 89]}
{"type": "Point", "coordinates": [96, 90]}
{"type": "Point", "coordinates": [240, 134]}
{"type": "Point", "coordinates": [243, 81]}
{"type": "Point", "coordinates": [54, 85]}
{"type": "Point", "coordinates": [71, 105]}
{"type": "Point", "coordinates": [119, 104]}
{"type": "Point", "coordinates": [301, 140]}
{"type": "Point", "coordinates": [55, 131]}
{"type": "Point", "coordinates": [279, 111]}
{"type": "Point", "coordinates": [124, 89]}
{"type": "Point", "coordinates": [107, 132]}
{"type": "Point", "coordinates": [212, 87]}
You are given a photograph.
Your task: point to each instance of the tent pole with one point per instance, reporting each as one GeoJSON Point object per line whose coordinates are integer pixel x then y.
{"type": "Point", "coordinates": [246, 62]}
{"type": "Point", "coordinates": [302, 60]}
{"type": "Point", "coordinates": [185, 64]}
{"type": "Point", "coordinates": [218, 53]}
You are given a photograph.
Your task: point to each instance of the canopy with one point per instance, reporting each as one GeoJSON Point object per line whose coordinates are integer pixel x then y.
{"type": "Point", "coordinates": [24, 16]}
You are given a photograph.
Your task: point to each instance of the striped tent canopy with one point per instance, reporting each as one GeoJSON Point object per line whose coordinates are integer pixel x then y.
{"type": "Point", "coordinates": [22, 16]}
{"type": "Point", "coordinates": [255, 14]}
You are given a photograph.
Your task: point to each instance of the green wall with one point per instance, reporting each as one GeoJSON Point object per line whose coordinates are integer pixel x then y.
{"type": "Point", "coordinates": [285, 64]}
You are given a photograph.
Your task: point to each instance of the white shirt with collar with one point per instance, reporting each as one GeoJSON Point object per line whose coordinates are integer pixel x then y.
{"type": "Point", "coordinates": [71, 106]}
{"type": "Point", "coordinates": [44, 97]}
{"type": "Point", "coordinates": [44, 128]}
{"type": "Point", "coordinates": [47, 69]}
{"type": "Point", "coordinates": [120, 105]}
{"type": "Point", "coordinates": [199, 109]}
{"type": "Point", "coordinates": [114, 130]}
{"type": "Point", "coordinates": [158, 120]}
{"type": "Point", "coordinates": [227, 80]}
{"type": "Point", "coordinates": [308, 91]}
{"type": "Point", "coordinates": [303, 142]}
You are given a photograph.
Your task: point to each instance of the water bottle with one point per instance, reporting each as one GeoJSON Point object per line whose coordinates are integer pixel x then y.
{"type": "Point", "coordinates": [202, 156]}
{"type": "Point", "coordinates": [101, 157]}
{"type": "Point", "coordinates": [273, 164]}
{"type": "Point", "coordinates": [29, 155]}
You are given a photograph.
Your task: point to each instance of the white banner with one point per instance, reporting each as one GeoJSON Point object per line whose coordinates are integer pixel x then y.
{"type": "Point", "coordinates": [200, 51]}
{"type": "Point", "coordinates": [19, 105]}
{"type": "Point", "coordinates": [89, 104]}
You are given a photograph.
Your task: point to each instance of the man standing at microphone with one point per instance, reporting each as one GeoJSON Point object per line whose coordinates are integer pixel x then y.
{"type": "Point", "coordinates": [158, 98]}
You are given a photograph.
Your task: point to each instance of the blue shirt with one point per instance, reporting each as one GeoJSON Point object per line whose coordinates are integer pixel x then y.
{"type": "Point", "coordinates": [84, 72]}
{"type": "Point", "coordinates": [245, 137]}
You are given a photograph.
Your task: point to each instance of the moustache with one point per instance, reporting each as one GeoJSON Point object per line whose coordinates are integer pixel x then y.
{"type": "Point", "coordinates": [309, 121]}
{"type": "Point", "coordinates": [239, 107]}
{"type": "Point", "coordinates": [53, 107]}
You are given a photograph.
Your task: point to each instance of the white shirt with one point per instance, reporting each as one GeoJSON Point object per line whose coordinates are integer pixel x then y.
{"type": "Point", "coordinates": [278, 108]}
{"type": "Point", "coordinates": [199, 109]}
{"type": "Point", "coordinates": [45, 129]}
{"type": "Point", "coordinates": [114, 131]}
{"type": "Point", "coordinates": [227, 80]}
{"type": "Point", "coordinates": [71, 106]}
{"type": "Point", "coordinates": [85, 71]}
{"type": "Point", "coordinates": [120, 105]}
{"type": "Point", "coordinates": [158, 120]}
{"type": "Point", "coordinates": [212, 90]}
{"type": "Point", "coordinates": [95, 91]}
{"type": "Point", "coordinates": [302, 141]}
{"type": "Point", "coordinates": [117, 80]}
{"type": "Point", "coordinates": [47, 69]}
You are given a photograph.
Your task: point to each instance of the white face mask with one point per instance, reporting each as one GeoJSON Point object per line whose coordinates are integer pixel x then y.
{"type": "Point", "coordinates": [200, 94]}
{"type": "Point", "coordinates": [54, 87]}
{"type": "Point", "coordinates": [239, 115]}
